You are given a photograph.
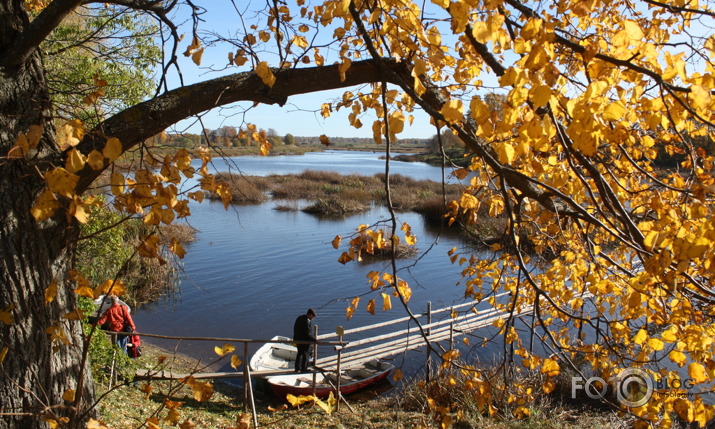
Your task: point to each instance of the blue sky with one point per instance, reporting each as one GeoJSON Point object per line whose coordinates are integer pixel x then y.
{"type": "Point", "coordinates": [300, 116]}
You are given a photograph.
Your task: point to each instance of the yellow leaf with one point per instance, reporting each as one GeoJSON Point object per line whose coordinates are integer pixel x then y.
{"type": "Point", "coordinates": [235, 362]}
{"type": "Point", "coordinates": [640, 337]}
{"type": "Point", "coordinates": [177, 249]}
{"type": "Point", "coordinates": [522, 413]}
{"type": "Point", "coordinates": [677, 357]}
{"type": "Point", "coordinates": [111, 287]}
{"type": "Point", "coordinates": [684, 409]}
{"type": "Point", "coordinates": [75, 161]}
{"type": "Point", "coordinates": [50, 292]}
{"type": "Point", "coordinates": [299, 400]}
{"type": "Point", "coordinates": [698, 247]}
{"type": "Point", "coordinates": [45, 206]}
{"type": "Point", "coordinates": [371, 306]}
{"type": "Point", "coordinates": [343, 68]}
{"type": "Point", "coordinates": [700, 96]}
{"type": "Point", "coordinates": [460, 173]}
{"type": "Point", "coordinates": [336, 242]}
{"type": "Point", "coordinates": [116, 182]}
{"type": "Point", "coordinates": [69, 134]}
{"type": "Point", "coordinates": [75, 314]}
{"type": "Point", "coordinates": [68, 395]}
{"type": "Point", "coordinates": [540, 95]}
{"type": "Point", "coordinates": [697, 372]}
{"type": "Point", "coordinates": [112, 149]}
{"type": "Point", "coordinates": [34, 134]}
{"type": "Point", "coordinates": [345, 258]}
{"type": "Point", "coordinates": [3, 353]}
{"type": "Point", "coordinates": [386, 303]}
{"type": "Point", "coordinates": [453, 111]}
{"type": "Point", "coordinates": [265, 148]}
{"type": "Point", "coordinates": [264, 72]}
{"type": "Point", "coordinates": [243, 421]}
{"type": "Point", "coordinates": [173, 417]}
{"type": "Point", "coordinates": [550, 367]}
{"type": "Point", "coordinates": [614, 111]}
{"type": "Point", "coordinates": [94, 424]}
{"type": "Point", "coordinates": [62, 182]}
{"type": "Point", "coordinates": [650, 239]}
{"type": "Point", "coordinates": [202, 390]}
{"type": "Point", "coordinates": [86, 292]}
{"type": "Point", "coordinates": [224, 350]}
{"type": "Point", "coordinates": [95, 159]}
{"type": "Point", "coordinates": [324, 140]}
{"type": "Point", "coordinates": [153, 423]}
{"type": "Point", "coordinates": [397, 375]}
{"type": "Point", "coordinates": [655, 344]}
{"type": "Point", "coordinates": [195, 44]}
{"type": "Point", "coordinates": [327, 406]}
{"type": "Point", "coordinates": [77, 209]}
{"type": "Point", "coordinates": [21, 147]}
{"type": "Point", "coordinates": [506, 152]}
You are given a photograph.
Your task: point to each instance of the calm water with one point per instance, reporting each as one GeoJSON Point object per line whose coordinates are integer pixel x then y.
{"type": "Point", "coordinates": [254, 269]}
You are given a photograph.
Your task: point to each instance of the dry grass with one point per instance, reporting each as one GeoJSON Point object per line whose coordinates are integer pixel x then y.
{"type": "Point", "coordinates": [179, 232]}
{"type": "Point", "coordinates": [130, 406]}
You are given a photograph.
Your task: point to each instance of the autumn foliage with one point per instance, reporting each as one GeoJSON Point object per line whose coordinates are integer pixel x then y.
{"type": "Point", "coordinates": [592, 91]}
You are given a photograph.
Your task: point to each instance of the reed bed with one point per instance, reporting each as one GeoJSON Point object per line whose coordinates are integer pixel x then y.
{"type": "Point", "coordinates": [332, 193]}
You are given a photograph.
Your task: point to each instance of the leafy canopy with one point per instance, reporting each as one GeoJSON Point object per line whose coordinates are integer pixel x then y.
{"type": "Point", "coordinates": [622, 269]}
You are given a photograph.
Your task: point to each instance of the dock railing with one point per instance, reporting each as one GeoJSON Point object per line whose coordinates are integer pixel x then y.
{"type": "Point", "coordinates": [462, 319]}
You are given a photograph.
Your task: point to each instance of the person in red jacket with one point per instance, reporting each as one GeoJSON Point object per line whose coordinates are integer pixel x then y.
{"type": "Point", "coordinates": [118, 320]}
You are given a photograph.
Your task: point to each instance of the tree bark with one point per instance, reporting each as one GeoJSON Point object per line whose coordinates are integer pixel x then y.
{"type": "Point", "coordinates": [35, 371]}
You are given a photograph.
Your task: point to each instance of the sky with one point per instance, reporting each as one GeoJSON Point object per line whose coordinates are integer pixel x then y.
{"type": "Point", "coordinates": [301, 114]}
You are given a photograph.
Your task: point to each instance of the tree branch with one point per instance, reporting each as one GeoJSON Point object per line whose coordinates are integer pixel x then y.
{"type": "Point", "coordinates": [149, 118]}
{"type": "Point", "coordinates": [30, 38]}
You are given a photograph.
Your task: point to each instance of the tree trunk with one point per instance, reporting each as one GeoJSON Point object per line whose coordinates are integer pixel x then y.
{"type": "Point", "coordinates": [35, 371]}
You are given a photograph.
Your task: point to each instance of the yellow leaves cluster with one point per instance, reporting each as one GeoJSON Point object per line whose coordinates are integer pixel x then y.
{"type": "Point", "coordinates": [370, 241]}
{"type": "Point", "coordinates": [202, 390]}
{"type": "Point", "coordinates": [26, 143]}
{"type": "Point", "coordinates": [328, 406]}
{"type": "Point", "coordinates": [195, 50]}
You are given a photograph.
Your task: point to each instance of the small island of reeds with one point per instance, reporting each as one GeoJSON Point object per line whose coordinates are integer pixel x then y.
{"type": "Point", "coordinates": [331, 194]}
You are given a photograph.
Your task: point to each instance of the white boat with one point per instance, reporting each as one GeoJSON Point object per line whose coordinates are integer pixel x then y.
{"type": "Point", "coordinates": [351, 380]}
{"type": "Point", "coordinates": [274, 356]}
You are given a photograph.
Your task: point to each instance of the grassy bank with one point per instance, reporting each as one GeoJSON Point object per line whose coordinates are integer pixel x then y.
{"type": "Point", "coordinates": [331, 193]}
{"type": "Point", "coordinates": [171, 404]}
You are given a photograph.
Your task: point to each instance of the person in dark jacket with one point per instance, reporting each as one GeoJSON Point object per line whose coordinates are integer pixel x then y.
{"type": "Point", "coordinates": [302, 332]}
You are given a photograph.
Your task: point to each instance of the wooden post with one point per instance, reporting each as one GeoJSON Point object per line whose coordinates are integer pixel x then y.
{"type": "Point", "coordinates": [451, 336]}
{"type": "Point", "coordinates": [112, 372]}
{"type": "Point", "coordinates": [429, 332]}
{"type": "Point", "coordinates": [315, 358]}
{"type": "Point", "coordinates": [339, 330]}
{"type": "Point", "coordinates": [247, 380]}
{"type": "Point", "coordinates": [245, 377]}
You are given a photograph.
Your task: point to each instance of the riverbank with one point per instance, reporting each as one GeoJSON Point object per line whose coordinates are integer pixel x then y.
{"type": "Point", "coordinates": [171, 404]}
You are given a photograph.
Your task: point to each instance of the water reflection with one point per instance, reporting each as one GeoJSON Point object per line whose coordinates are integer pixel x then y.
{"type": "Point", "coordinates": [253, 269]}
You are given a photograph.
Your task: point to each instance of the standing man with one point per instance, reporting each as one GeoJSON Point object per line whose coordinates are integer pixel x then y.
{"type": "Point", "coordinates": [302, 332]}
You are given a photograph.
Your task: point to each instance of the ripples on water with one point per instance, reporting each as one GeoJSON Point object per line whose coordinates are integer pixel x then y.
{"type": "Point", "coordinates": [254, 269]}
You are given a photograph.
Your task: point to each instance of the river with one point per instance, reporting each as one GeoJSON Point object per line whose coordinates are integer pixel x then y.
{"type": "Point", "coordinates": [253, 269]}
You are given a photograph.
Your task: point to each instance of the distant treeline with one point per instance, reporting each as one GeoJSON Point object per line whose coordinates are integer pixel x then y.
{"type": "Point", "coordinates": [231, 137]}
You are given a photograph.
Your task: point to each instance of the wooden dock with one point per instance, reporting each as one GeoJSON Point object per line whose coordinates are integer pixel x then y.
{"type": "Point", "coordinates": [355, 352]}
